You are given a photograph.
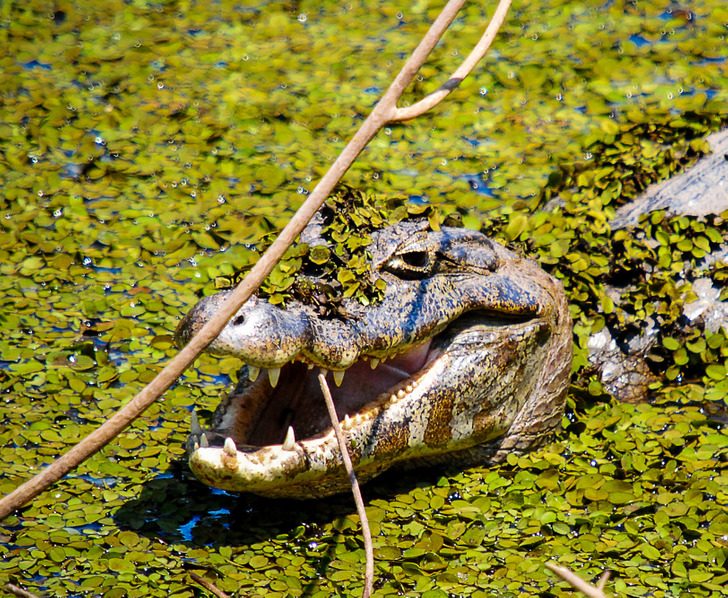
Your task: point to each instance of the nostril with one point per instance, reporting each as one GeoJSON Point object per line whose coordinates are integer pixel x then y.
{"type": "Point", "coordinates": [238, 320]}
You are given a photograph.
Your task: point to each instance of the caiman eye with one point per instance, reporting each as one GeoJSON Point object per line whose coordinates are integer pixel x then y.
{"type": "Point", "coordinates": [410, 265]}
{"type": "Point", "coordinates": [416, 259]}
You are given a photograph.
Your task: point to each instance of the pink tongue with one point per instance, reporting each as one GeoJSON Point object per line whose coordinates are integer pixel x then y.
{"type": "Point", "coordinates": [413, 360]}
{"type": "Point", "coordinates": [362, 384]}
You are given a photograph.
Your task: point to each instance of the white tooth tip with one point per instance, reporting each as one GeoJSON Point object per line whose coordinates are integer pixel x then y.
{"type": "Point", "coordinates": [290, 441]}
{"type": "Point", "coordinates": [273, 375]}
{"type": "Point", "coordinates": [338, 377]}
{"type": "Point", "coordinates": [373, 363]}
{"type": "Point", "coordinates": [229, 447]}
{"type": "Point", "coordinates": [203, 441]}
{"type": "Point", "coordinates": [253, 373]}
{"type": "Point", "coordinates": [195, 424]}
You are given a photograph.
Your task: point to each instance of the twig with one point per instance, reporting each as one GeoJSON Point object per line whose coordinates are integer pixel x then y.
{"type": "Point", "coordinates": [601, 584]}
{"type": "Point", "coordinates": [16, 591]}
{"type": "Point", "coordinates": [578, 583]}
{"type": "Point", "coordinates": [209, 586]}
{"type": "Point", "coordinates": [358, 500]}
{"type": "Point", "coordinates": [384, 113]}
{"type": "Point", "coordinates": [433, 99]}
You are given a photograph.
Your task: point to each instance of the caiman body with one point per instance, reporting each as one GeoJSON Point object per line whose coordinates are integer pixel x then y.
{"type": "Point", "coordinates": [465, 360]}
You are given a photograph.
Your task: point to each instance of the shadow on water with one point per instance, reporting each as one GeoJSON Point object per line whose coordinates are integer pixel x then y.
{"type": "Point", "coordinates": [176, 508]}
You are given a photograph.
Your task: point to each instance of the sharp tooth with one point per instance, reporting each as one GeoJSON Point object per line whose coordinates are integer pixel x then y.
{"type": "Point", "coordinates": [373, 363]}
{"type": "Point", "coordinates": [324, 372]}
{"type": "Point", "coordinates": [273, 375]}
{"type": "Point", "coordinates": [401, 393]}
{"type": "Point", "coordinates": [347, 421]}
{"type": "Point", "coordinates": [195, 445]}
{"type": "Point", "coordinates": [289, 443]}
{"type": "Point", "coordinates": [203, 441]}
{"type": "Point", "coordinates": [253, 373]}
{"type": "Point", "coordinates": [338, 377]}
{"type": "Point", "coordinates": [229, 447]}
{"type": "Point", "coordinates": [309, 366]}
{"type": "Point", "coordinates": [195, 424]}
{"type": "Point", "coordinates": [229, 454]}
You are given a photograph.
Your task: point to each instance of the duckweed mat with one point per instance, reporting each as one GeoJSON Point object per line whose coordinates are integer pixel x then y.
{"type": "Point", "coordinates": [146, 148]}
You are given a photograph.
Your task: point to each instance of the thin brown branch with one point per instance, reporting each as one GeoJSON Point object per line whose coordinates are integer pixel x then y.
{"type": "Point", "coordinates": [209, 586]}
{"type": "Point", "coordinates": [602, 583]}
{"type": "Point", "coordinates": [577, 582]}
{"type": "Point", "coordinates": [358, 500]}
{"type": "Point", "coordinates": [381, 115]}
{"type": "Point", "coordinates": [17, 591]}
{"type": "Point", "coordinates": [430, 101]}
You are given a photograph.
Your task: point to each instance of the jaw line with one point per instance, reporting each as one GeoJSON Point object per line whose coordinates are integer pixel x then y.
{"type": "Point", "coordinates": [264, 468]}
{"type": "Point", "coordinates": [395, 378]}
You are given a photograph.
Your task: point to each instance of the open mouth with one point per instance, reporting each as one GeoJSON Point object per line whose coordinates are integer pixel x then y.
{"type": "Point", "coordinates": [283, 407]}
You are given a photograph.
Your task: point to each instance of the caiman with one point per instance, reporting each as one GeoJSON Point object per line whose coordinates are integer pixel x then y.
{"type": "Point", "coordinates": [465, 359]}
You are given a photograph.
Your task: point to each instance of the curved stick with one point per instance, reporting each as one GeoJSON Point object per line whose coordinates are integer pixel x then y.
{"type": "Point", "coordinates": [383, 113]}
{"type": "Point", "coordinates": [433, 99]}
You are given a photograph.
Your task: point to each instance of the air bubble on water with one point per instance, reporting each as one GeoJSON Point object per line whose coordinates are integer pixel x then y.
{"type": "Point", "coordinates": [670, 95]}
{"type": "Point", "coordinates": [246, 58]}
{"type": "Point", "coordinates": [588, 156]}
{"type": "Point", "coordinates": [375, 176]}
{"type": "Point", "coordinates": [98, 140]}
{"type": "Point", "coordinates": [87, 261]}
{"type": "Point", "coordinates": [33, 159]}
{"type": "Point", "coordinates": [387, 131]}
{"type": "Point", "coordinates": [58, 212]}
{"type": "Point", "coordinates": [40, 193]}
{"type": "Point", "coordinates": [160, 85]}
{"type": "Point", "coordinates": [302, 18]}
{"type": "Point", "coordinates": [221, 199]}
{"type": "Point", "coordinates": [400, 16]}
{"type": "Point", "coordinates": [560, 97]}
{"type": "Point", "coordinates": [443, 162]}
{"type": "Point", "coordinates": [193, 194]}
{"type": "Point", "coordinates": [483, 91]}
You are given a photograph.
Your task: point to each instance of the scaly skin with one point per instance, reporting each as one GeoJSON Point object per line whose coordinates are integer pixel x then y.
{"type": "Point", "coordinates": [469, 350]}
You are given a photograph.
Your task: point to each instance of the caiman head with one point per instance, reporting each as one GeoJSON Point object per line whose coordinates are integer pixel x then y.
{"type": "Point", "coordinates": [465, 360]}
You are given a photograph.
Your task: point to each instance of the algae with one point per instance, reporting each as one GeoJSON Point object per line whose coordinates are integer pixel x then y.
{"type": "Point", "coordinates": [148, 147]}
